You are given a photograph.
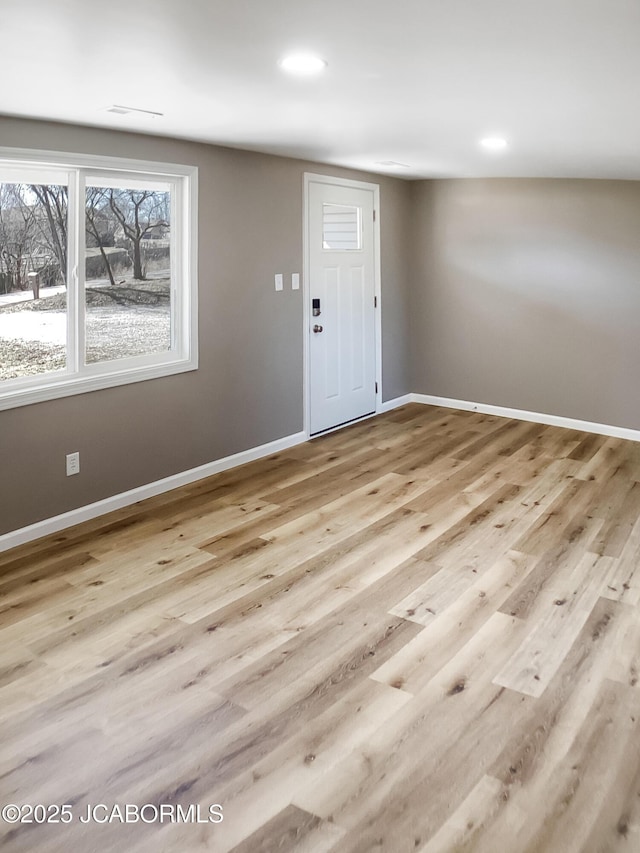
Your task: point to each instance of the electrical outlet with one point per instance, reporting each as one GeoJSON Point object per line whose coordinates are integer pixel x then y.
{"type": "Point", "coordinates": [73, 464]}
{"type": "Point", "coordinates": [279, 278]}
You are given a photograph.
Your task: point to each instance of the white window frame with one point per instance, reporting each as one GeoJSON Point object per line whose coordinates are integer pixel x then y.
{"type": "Point", "coordinates": [80, 378]}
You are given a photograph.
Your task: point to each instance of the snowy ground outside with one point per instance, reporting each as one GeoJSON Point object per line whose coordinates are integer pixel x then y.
{"type": "Point", "coordinates": [33, 333]}
{"type": "Point", "coordinates": [47, 327]}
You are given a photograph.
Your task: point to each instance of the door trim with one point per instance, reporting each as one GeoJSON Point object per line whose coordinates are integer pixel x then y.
{"type": "Point", "coordinates": [310, 177]}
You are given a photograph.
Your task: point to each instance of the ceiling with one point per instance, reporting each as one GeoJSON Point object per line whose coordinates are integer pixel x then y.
{"type": "Point", "coordinates": [418, 82]}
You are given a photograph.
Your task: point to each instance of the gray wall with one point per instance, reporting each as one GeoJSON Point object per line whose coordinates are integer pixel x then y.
{"type": "Point", "coordinates": [527, 295]}
{"type": "Point", "coordinates": [248, 390]}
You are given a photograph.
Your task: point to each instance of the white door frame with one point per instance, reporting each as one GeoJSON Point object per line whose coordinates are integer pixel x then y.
{"type": "Point", "coordinates": [310, 177]}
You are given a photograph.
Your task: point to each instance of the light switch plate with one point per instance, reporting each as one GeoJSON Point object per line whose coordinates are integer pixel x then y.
{"type": "Point", "coordinates": [279, 281]}
{"type": "Point", "coordinates": [295, 281]}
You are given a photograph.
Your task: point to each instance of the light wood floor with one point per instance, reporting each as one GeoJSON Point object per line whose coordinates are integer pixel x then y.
{"type": "Point", "coordinates": [421, 633]}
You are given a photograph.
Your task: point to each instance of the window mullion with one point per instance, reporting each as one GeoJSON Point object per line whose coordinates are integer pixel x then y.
{"type": "Point", "coordinates": [73, 266]}
{"type": "Point", "coordinates": [80, 236]}
{"type": "Point", "coordinates": [177, 311]}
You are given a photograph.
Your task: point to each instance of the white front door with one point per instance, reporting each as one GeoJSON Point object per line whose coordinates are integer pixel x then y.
{"type": "Point", "coordinates": [342, 313]}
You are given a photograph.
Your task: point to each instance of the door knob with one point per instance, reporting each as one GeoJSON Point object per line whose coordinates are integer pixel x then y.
{"type": "Point", "coordinates": [317, 328]}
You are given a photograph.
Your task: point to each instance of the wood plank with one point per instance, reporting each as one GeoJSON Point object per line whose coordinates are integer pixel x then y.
{"type": "Point", "coordinates": [291, 829]}
{"type": "Point", "coordinates": [571, 545]}
{"type": "Point", "coordinates": [561, 616]}
{"type": "Point", "coordinates": [406, 770]}
{"type": "Point", "coordinates": [423, 656]}
{"type": "Point", "coordinates": [542, 765]}
{"type": "Point", "coordinates": [457, 832]}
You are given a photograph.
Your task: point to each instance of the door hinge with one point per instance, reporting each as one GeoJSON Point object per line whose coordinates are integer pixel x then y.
{"type": "Point", "coordinates": [375, 301]}
{"type": "Point", "coordinates": [374, 216]}
{"type": "Point", "coordinates": [376, 387]}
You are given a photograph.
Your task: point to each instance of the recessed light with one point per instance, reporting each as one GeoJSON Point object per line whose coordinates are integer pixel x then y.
{"type": "Point", "coordinates": [494, 143]}
{"type": "Point", "coordinates": [391, 164]}
{"type": "Point", "coordinates": [303, 64]}
{"type": "Point", "coordinates": [123, 111]}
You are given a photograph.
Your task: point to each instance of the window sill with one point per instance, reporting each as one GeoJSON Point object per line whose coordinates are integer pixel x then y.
{"type": "Point", "coordinates": [60, 385]}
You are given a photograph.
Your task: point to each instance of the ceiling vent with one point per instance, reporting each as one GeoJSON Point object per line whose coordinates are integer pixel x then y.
{"type": "Point", "coordinates": [124, 111]}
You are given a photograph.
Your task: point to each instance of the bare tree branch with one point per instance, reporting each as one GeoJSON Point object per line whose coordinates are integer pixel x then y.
{"type": "Point", "coordinates": [92, 207]}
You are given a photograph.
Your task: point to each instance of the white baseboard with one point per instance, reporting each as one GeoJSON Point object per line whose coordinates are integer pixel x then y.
{"type": "Point", "coordinates": [85, 513]}
{"type": "Point", "coordinates": [396, 403]}
{"type": "Point", "coordinates": [534, 417]}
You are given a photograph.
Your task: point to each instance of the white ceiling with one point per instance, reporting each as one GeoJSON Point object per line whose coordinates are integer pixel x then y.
{"type": "Point", "coordinates": [414, 81]}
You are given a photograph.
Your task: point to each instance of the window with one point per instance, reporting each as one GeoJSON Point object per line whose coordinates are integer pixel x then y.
{"type": "Point", "coordinates": [97, 274]}
{"type": "Point", "coordinates": [341, 229]}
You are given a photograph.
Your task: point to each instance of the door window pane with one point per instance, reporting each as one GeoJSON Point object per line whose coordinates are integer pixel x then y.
{"type": "Point", "coordinates": [33, 278]}
{"type": "Point", "coordinates": [127, 270]}
{"type": "Point", "coordinates": [341, 229]}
